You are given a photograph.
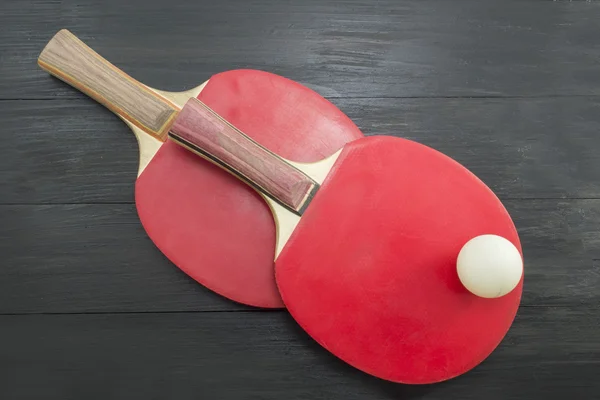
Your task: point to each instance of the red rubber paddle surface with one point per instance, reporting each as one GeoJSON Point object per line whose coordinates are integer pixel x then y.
{"type": "Point", "coordinates": [370, 271]}
{"type": "Point", "coordinates": [214, 227]}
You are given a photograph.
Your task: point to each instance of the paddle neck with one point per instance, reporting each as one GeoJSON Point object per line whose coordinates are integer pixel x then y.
{"type": "Point", "coordinates": [72, 61]}
{"type": "Point", "coordinates": [201, 130]}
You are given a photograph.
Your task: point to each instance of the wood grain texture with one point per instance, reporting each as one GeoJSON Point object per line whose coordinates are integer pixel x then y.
{"type": "Point", "coordinates": [69, 59]}
{"type": "Point", "coordinates": [203, 131]}
{"type": "Point", "coordinates": [81, 263]}
{"type": "Point", "coordinates": [343, 48]}
{"type": "Point", "coordinates": [149, 144]}
{"type": "Point", "coordinates": [432, 71]}
{"type": "Point", "coordinates": [264, 355]}
{"type": "Point", "coordinates": [76, 152]}
{"type": "Point", "coordinates": [97, 258]}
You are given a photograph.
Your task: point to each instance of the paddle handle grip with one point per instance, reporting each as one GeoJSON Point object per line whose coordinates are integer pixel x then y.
{"type": "Point", "coordinates": [70, 60]}
{"type": "Point", "coordinates": [202, 130]}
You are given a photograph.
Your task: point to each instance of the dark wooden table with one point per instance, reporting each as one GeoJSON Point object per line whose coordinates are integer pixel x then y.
{"type": "Point", "coordinates": [90, 309]}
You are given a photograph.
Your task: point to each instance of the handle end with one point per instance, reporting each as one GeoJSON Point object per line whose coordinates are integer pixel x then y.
{"type": "Point", "coordinates": [43, 58]}
{"type": "Point", "coordinates": [71, 60]}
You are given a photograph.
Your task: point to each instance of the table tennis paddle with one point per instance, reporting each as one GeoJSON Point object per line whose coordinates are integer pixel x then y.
{"type": "Point", "coordinates": [367, 247]}
{"type": "Point", "coordinates": [217, 230]}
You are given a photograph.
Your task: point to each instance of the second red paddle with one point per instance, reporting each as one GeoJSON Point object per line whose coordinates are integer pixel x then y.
{"type": "Point", "coordinates": [389, 254]}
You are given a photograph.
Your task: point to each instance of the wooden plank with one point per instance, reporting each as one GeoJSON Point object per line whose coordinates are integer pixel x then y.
{"type": "Point", "coordinates": [65, 152]}
{"type": "Point", "coordinates": [386, 48]}
{"type": "Point", "coordinates": [77, 152]}
{"type": "Point", "coordinates": [521, 148]}
{"type": "Point", "coordinates": [267, 356]}
{"type": "Point", "coordinates": [90, 258]}
{"type": "Point", "coordinates": [97, 258]}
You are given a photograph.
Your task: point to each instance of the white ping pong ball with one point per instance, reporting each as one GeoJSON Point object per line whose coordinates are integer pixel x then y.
{"type": "Point", "coordinates": [489, 266]}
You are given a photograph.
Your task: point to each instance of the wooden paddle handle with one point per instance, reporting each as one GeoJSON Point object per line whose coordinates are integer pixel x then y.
{"type": "Point", "coordinates": [202, 130]}
{"type": "Point", "coordinates": [69, 59]}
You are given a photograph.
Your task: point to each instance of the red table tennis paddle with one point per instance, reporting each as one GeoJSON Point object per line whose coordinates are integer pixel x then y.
{"type": "Point", "coordinates": [367, 248]}
{"type": "Point", "coordinates": [218, 231]}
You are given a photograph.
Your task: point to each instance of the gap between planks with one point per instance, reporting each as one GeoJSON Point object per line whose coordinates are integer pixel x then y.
{"type": "Point", "coordinates": [249, 310]}
{"type": "Point", "coordinates": [474, 97]}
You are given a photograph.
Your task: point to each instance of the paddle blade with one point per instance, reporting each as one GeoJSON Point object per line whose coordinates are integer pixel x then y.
{"type": "Point", "coordinates": [214, 227]}
{"type": "Point", "coordinates": [370, 271]}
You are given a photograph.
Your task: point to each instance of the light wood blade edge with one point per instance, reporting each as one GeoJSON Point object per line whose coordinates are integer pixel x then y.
{"type": "Point", "coordinates": [286, 221]}
{"type": "Point", "coordinates": [149, 145]}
